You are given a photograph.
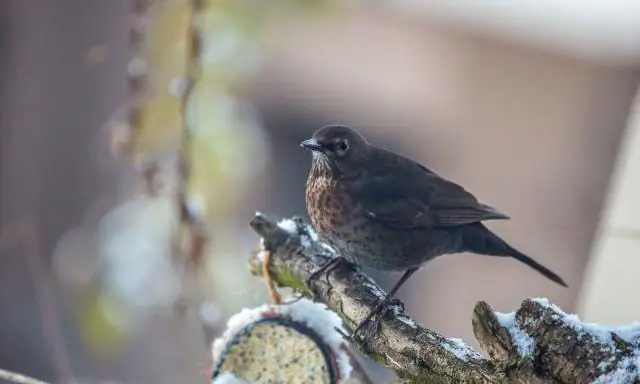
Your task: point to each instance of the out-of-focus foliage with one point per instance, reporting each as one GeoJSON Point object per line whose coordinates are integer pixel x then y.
{"type": "Point", "coordinates": [229, 144]}
{"type": "Point", "coordinates": [135, 270]}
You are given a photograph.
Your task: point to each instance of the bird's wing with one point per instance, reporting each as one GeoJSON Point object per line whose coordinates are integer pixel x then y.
{"type": "Point", "coordinates": [413, 197]}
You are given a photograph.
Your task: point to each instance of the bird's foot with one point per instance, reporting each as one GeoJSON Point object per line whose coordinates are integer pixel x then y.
{"type": "Point", "coordinates": [376, 315]}
{"type": "Point", "coordinates": [326, 268]}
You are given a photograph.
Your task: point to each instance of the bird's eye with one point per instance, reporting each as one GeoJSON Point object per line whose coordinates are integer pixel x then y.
{"type": "Point", "coordinates": [342, 146]}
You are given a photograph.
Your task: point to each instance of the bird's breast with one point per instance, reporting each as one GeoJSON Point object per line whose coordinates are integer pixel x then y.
{"type": "Point", "coordinates": [329, 206]}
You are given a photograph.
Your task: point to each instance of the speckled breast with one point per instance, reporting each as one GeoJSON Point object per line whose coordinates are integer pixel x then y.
{"type": "Point", "coordinates": [329, 205]}
{"type": "Point", "coordinates": [362, 241]}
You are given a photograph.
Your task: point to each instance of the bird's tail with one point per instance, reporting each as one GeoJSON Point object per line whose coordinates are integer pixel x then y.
{"type": "Point", "coordinates": [479, 239]}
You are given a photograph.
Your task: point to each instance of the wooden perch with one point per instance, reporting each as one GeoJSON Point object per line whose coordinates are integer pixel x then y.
{"type": "Point", "coordinates": [537, 344]}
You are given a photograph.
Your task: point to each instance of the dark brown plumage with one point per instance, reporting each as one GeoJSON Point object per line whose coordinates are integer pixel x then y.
{"type": "Point", "coordinates": [384, 211]}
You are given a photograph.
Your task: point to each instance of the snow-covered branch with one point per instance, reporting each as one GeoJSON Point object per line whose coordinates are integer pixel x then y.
{"type": "Point", "coordinates": [536, 344]}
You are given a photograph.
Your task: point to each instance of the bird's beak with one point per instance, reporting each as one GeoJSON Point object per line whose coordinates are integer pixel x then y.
{"type": "Point", "coordinates": [312, 144]}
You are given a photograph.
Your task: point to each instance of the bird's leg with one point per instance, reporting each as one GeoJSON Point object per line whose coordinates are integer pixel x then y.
{"type": "Point", "coordinates": [326, 268]}
{"type": "Point", "coordinates": [388, 298]}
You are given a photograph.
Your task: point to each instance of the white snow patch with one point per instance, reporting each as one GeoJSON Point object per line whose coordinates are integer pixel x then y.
{"type": "Point", "coordinates": [289, 226]}
{"type": "Point", "coordinates": [526, 344]}
{"type": "Point", "coordinates": [404, 318]}
{"type": "Point", "coordinates": [307, 236]}
{"type": "Point", "coordinates": [375, 290]}
{"type": "Point", "coordinates": [629, 369]}
{"type": "Point", "coordinates": [228, 378]}
{"type": "Point", "coordinates": [328, 247]}
{"type": "Point", "coordinates": [312, 233]}
{"type": "Point", "coordinates": [627, 373]}
{"type": "Point", "coordinates": [315, 315]}
{"type": "Point", "coordinates": [305, 241]}
{"type": "Point", "coordinates": [629, 333]}
{"type": "Point", "coordinates": [460, 349]}
{"type": "Point", "coordinates": [373, 287]}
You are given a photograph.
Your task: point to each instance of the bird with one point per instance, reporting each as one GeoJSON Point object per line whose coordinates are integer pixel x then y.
{"type": "Point", "coordinates": [381, 210]}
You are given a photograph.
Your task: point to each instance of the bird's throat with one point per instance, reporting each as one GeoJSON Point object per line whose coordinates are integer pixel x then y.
{"type": "Point", "coordinates": [320, 166]}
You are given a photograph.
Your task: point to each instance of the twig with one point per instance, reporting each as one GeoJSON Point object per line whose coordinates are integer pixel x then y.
{"type": "Point", "coordinates": [18, 378]}
{"type": "Point", "coordinates": [127, 132]}
{"type": "Point", "coordinates": [557, 351]}
{"type": "Point", "coordinates": [273, 293]}
{"type": "Point", "coordinates": [191, 239]}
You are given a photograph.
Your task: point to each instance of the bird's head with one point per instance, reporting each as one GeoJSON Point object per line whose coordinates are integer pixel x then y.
{"type": "Point", "coordinates": [338, 150]}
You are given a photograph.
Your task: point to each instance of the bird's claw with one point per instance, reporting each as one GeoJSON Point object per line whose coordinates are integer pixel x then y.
{"type": "Point", "coordinates": [326, 268]}
{"type": "Point", "coordinates": [365, 332]}
{"type": "Point", "coordinates": [376, 315]}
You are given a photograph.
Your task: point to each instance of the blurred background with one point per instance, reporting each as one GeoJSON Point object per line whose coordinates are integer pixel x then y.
{"type": "Point", "coordinates": [528, 104]}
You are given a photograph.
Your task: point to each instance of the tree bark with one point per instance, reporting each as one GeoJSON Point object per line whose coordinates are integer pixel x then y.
{"type": "Point", "coordinates": [537, 344]}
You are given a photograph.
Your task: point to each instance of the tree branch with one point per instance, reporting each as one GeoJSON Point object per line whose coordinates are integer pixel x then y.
{"type": "Point", "coordinates": [18, 378]}
{"type": "Point", "coordinates": [537, 344]}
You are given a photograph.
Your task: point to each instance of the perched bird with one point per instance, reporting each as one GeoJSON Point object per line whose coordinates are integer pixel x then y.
{"type": "Point", "coordinates": [384, 211]}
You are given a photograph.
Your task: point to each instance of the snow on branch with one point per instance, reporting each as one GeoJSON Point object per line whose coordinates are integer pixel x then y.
{"type": "Point", "coordinates": [538, 343]}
